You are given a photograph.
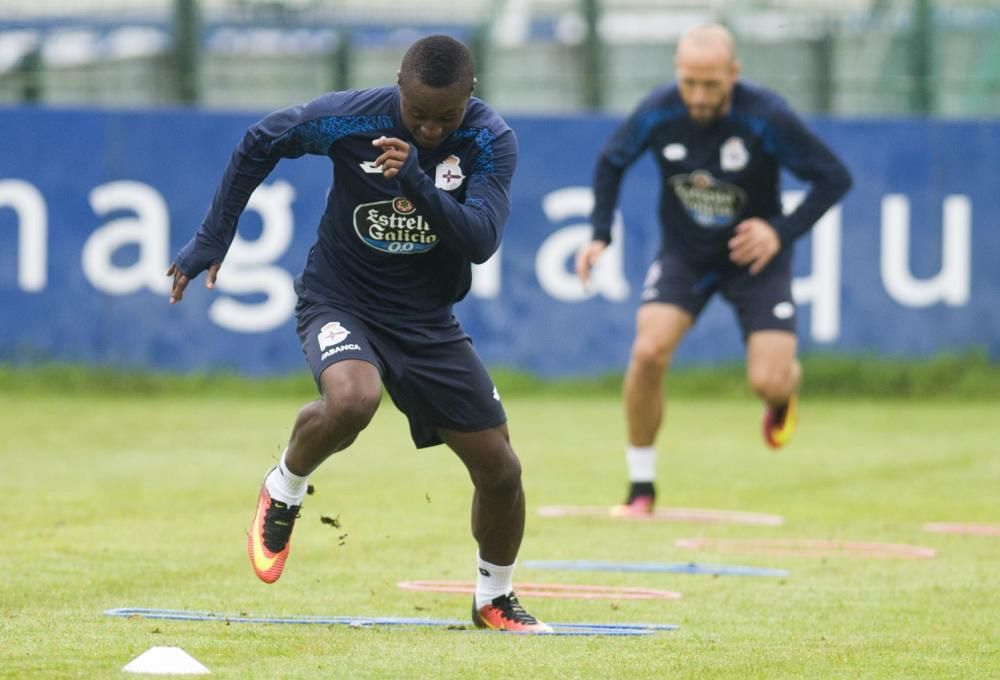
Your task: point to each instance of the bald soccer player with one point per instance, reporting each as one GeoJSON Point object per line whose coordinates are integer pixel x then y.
{"type": "Point", "coordinates": [720, 144]}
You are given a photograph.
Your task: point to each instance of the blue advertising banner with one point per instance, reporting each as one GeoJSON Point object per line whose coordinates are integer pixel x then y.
{"type": "Point", "coordinates": [94, 205]}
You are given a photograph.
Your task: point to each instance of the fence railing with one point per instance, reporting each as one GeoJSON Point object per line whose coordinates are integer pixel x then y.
{"type": "Point", "coordinates": [560, 56]}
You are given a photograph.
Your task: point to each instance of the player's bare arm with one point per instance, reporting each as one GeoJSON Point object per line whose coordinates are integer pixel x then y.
{"type": "Point", "coordinates": [181, 280]}
{"type": "Point", "coordinates": [586, 258]}
{"type": "Point", "coordinates": [394, 153]}
{"type": "Point", "coordinates": [754, 244]}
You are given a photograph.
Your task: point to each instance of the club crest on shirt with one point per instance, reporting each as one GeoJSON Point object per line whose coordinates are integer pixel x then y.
{"type": "Point", "coordinates": [394, 226]}
{"type": "Point", "coordinates": [448, 175]}
{"type": "Point", "coordinates": [733, 156]}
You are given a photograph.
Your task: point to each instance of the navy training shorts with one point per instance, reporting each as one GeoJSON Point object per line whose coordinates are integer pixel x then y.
{"type": "Point", "coordinates": [432, 373]}
{"type": "Point", "coordinates": [762, 301]}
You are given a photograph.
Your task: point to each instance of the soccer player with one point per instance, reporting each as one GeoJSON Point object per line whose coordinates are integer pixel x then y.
{"type": "Point", "coordinates": [421, 190]}
{"type": "Point", "coordinates": [719, 144]}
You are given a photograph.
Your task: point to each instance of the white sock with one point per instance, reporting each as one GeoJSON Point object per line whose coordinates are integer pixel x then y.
{"type": "Point", "coordinates": [492, 581]}
{"type": "Point", "coordinates": [284, 486]}
{"type": "Point", "coordinates": [641, 461]}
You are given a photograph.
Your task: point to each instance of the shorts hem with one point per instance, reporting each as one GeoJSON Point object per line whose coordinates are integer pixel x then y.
{"type": "Point", "coordinates": [435, 440]}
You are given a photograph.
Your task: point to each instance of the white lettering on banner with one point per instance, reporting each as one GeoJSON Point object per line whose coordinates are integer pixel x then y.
{"type": "Point", "coordinates": [821, 288]}
{"type": "Point", "coordinates": [32, 232]}
{"type": "Point", "coordinates": [249, 267]}
{"type": "Point", "coordinates": [951, 284]}
{"type": "Point", "coordinates": [554, 262]}
{"type": "Point", "coordinates": [486, 281]}
{"type": "Point", "coordinates": [149, 230]}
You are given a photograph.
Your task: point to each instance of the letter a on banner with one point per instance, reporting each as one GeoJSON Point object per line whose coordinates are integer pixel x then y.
{"type": "Point", "coordinates": [554, 261]}
{"type": "Point", "coordinates": [148, 230]}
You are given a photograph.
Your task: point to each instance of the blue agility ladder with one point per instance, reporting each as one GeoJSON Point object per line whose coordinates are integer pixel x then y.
{"type": "Point", "coordinates": [375, 621]}
{"type": "Point", "coordinates": [653, 567]}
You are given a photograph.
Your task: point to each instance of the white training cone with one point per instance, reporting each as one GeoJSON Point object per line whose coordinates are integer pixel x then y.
{"type": "Point", "coordinates": [165, 661]}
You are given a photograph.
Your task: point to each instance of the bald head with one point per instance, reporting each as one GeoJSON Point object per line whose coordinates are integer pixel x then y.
{"type": "Point", "coordinates": [706, 71]}
{"type": "Point", "coordinates": [709, 41]}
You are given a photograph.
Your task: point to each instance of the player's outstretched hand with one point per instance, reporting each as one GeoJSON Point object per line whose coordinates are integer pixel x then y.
{"type": "Point", "coordinates": [394, 153]}
{"type": "Point", "coordinates": [586, 257]}
{"type": "Point", "coordinates": [181, 280]}
{"type": "Point", "coordinates": [754, 244]}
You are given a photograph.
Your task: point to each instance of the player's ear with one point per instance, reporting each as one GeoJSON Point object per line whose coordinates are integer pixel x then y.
{"type": "Point", "coordinates": [398, 74]}
{"type": "Point", "coordinates": [475, 81]}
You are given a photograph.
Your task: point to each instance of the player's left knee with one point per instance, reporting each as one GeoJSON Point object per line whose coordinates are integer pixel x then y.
{"type": "Point", "coordinates": [502, 474]}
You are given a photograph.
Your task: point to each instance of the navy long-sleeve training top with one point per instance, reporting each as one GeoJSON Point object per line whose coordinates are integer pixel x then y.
{"type": "Point", "coordinates": [716, 175]}
{"type": "Point", "coordinates": [386, 248]}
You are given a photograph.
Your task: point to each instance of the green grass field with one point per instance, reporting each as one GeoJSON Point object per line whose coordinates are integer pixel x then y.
{"type": "Point", "coordinates": [112, 500]}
